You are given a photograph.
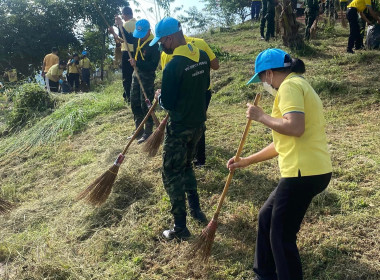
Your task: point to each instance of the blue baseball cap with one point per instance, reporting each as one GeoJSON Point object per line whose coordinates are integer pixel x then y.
{"type": "Point", "coordinates": [269, 59]}
{"type": "Point", "coordinates": [165, 27]}
{"type": "Point", "coordinates": [84, 53]}
{"type": "Point", "coordinates": [141, 29]}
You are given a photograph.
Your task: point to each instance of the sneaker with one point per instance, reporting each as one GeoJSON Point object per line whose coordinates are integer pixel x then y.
{"type": "Point", "coordinates": [176, 232]}
{"type": "Point", "coordinates": [143, 138]}
{"type": "Point", "coordinates": [199, 216]}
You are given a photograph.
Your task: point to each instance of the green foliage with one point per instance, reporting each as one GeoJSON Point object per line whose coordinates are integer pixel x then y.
{"type": "Point", "coordinates": [69, 118]}
{"type": "Point", "coordinates": [225, 12]}
{"type": "Point", "coordinates": [29, 29]}
{"type": "Point", "coordinates": [220, 54]}
{"type": "Point", "coordinates": [29, 103]}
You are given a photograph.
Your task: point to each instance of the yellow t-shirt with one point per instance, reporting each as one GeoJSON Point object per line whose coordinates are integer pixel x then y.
{"type": "Point", "coordinates": [199, 43]}
{"type": "Point", "coordinates": [360, 5]}
{"type": "Point", "coordinates": [129, 26]}
{"type": "Point", "coordinates": [50, 60]}
{"type": "Point", "coordinates": [54, 73]}
{"type": "Point", "coordinates": [343, 1]}
{"type": "Point", "coordinates": [85, 63]}
{"type": "Point", "coordinates": [73, 68]}
{"type": "Point", "coordinates": [307, 153]}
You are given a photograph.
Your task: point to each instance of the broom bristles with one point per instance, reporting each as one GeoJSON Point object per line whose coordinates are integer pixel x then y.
{"type": "Point", "coordinates": [203, 244]}
{"type": "Point", "coordinates": [153, 143]}
{"type": "Point", "coordinates": [5, 206]}
{"type": "Point", "coordinates": [99, 190]}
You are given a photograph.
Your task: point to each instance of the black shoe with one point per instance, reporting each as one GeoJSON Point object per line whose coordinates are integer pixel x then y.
{"type": "Point", "coordinates": [350, 51]}
{"type": "Point", "coordinates": [199, 216]}
{"type": "Point", "coordinates": [176, 232]}
{"type": "Point", "coordinates": [143, 138]}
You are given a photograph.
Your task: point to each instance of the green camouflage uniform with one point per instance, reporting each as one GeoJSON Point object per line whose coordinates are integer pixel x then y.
{"type": "Point", "coordinates": [311, 13]}
{"type": "Point", "coordinates": [184, 84]}
{"type": "Point", "coordinates": [263, 14]}
{"type": "Point", "coordinates": [147, 72]}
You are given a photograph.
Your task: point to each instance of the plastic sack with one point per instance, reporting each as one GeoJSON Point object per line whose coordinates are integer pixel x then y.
{"type": "Point", "coordinates": [373, 37]}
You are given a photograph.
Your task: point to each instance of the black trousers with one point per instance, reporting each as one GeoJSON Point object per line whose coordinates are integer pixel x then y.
{"type": "Point", "coordinates": [73, 78]}
{"type": "Point", "coordinates": [200, 155]}
{"type": "Point", "coordinates": [127, 71]}
{"type": "Point", "coordinates": [276, 256]}
{"type": "Point", "coordinates": [354, 38]}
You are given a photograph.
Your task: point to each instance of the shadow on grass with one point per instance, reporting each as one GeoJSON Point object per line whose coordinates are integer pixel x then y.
{"type": "Point", "coordinates": [126, 190]}
{"type": "Point", "coordinates": [335, 263]}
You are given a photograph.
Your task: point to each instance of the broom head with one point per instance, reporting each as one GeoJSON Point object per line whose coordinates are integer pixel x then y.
{"type": "Point", "coordinates": [203, 244]}
{"type": "Point", "coordinates": [153, 143]}
{"type": "Point", "coordinates": [5, 206]}
{"type": "Point", "coordinates": [98, 192]}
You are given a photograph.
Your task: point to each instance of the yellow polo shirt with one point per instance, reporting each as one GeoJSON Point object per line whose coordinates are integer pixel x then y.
{"type": "Point", "coordinates": [129, 26]}
{"type": "Point", "coordinates": [199, 43]}
{"type": "Point", "coordinates": [54, 73]}
{"type": "Point", "coordinates": [360, 5]}
{"type": "Point", "coordinates": [85, 63]}
{"type": "Point", "coordinates": [50, 60]}
{"type": "Point", "coordinates": [73, 68]}
{"type": "Point", "coordinates": [307, 153]}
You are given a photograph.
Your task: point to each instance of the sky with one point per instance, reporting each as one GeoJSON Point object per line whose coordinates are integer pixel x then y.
{"type": "Point", "coordinates": [151, 17]}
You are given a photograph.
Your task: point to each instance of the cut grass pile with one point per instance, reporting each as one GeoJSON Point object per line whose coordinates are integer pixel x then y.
{"type": "Point", "coordinates": [51, 236]}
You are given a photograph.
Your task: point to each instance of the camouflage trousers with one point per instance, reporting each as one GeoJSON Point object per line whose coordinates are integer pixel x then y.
{"type": "Point", "coordinates": [178, 174]}
{"type": "Point", "coordinates": [138, 104]}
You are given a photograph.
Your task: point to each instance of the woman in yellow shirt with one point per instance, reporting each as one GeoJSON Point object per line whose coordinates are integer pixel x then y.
{"type": "Point", "coordinates": [299, 141]}
{"type": "Point", "coordinates": [73, 69]}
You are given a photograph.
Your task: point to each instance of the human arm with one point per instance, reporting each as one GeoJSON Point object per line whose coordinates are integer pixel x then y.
{"type": "Point", "coordinates": [291, 124]}
{"type": "Point", "coordinates": [374, 15]}
{"type": "Point", "coordinates": [267, 153]}
{"type": "Point", "coordinates": [214, 64]}
{"type": "Point", "coordinates": [362, 15]}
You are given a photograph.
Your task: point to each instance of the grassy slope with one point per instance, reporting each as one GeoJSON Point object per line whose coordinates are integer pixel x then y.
{"type": "Point", "coordinates": [51, 236]}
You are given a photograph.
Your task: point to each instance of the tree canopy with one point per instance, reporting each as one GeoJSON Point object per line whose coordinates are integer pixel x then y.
{"type": "Point", "coordinates": [30, 28]}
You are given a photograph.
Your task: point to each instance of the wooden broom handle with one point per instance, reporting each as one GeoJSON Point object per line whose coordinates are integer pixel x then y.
{"type": "Point", "coordinates": [237, 158]}
{"type": "Point", "coordinates": [151, 109]}
{"type": "Point", "coordinates": [155, 119]}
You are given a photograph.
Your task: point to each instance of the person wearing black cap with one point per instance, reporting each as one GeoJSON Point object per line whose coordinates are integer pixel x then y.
{"type": "Point", "coordinates": [185, 81]}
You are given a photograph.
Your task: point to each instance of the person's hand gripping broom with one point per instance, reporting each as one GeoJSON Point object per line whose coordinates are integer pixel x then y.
{"type": "Point", "coordinates": [147, 101]}
{"type": "Point", "coordinates": [203, 244]}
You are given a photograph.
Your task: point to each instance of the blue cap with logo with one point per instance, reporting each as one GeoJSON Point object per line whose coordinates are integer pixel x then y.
{"type": "Point", "coordinates": [165, 27]}
{"type": "Point", "coordinates": [141, 29]}
{"type": "Point", "coordinates": [84, 53]}
{"type": "Point", "coordinates": [269, 59]}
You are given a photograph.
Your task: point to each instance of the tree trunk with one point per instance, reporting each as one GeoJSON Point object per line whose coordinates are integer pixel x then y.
{"type": "Point", "coordinates": [291, 38]}
{"type": "Point", "coordinates": [103, 54]}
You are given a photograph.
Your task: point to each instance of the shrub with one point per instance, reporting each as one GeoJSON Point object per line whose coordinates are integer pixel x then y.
{"type": "Point", "coordinates": [30, 102]}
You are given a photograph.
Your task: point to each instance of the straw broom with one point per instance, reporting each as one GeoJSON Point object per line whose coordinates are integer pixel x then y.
{"type": "Point", "coordinates": [5, 206]}
{"type": "Point", "coordinates": [153, 143]}
{"type": "Point", "coordinates": [98, 191]}
{"type": "Point", "coordinates": [203, 243]}
{"type": "Point", "coordinates": [147, 101]}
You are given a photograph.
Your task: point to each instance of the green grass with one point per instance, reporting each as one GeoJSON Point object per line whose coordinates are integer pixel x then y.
{"type": "Point", "coordinates": [52, 236]}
